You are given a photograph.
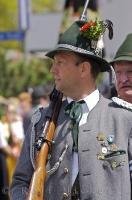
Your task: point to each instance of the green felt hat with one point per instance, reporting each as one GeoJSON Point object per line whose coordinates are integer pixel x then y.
{"type": "Point", "coordinates": [82, 38]}
{"type": "Point", "coordinates": [124, 52]}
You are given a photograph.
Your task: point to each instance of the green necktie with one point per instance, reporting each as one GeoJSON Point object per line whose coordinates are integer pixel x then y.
{"type": "Point", "coordinates": [74, 110]}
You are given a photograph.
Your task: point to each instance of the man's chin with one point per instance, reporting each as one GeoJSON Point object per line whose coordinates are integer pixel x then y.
{"type": "Point", "coordinates": [129, 92]}
{"type": "Point", "coordinates": [59, 88]}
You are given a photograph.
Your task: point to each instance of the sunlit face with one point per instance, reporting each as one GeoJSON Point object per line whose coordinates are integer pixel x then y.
{"type": "Point", "coordinates": [67, 74]}
{"type": "Point", "coordinates": [123, 71]}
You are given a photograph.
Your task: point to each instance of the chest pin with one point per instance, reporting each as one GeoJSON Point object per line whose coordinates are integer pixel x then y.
{"type": "Point", "coordinates": [104, 150]}
{"type": "Point", "coordinates": [110, 139]}
{"type": "Point", "coordinates": [101, 137]}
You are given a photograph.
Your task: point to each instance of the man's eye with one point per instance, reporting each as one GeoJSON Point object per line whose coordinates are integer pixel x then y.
{"type": "Point", "coordinates": [129, 73]}
{"type": "Point", "coordinates": [117, 73]}
{"type": "Point", "coordinates": [60, 62]}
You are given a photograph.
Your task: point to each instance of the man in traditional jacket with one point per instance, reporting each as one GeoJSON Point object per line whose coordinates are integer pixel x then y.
{"type": "Point", "coordinates": [92, 147]}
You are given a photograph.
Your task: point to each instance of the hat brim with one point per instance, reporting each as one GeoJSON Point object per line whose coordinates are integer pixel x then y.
{"type": "Point", "coordinates": [122, 58]}
{"type": "Point", "coordinates": [104, 65]}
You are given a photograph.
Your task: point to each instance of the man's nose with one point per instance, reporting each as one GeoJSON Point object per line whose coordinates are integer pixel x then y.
{"type": "Point", "coordinates": [123, 77]}
{"type": "Point", "coordinates": [53, 68]}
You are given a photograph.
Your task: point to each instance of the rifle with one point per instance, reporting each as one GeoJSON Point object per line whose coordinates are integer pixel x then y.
{"type": "Point", "coordinates": [44, 143]}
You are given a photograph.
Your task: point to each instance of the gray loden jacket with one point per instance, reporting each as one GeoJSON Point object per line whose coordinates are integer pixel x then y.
{"type": "Point", "coordinates": [103, 174]}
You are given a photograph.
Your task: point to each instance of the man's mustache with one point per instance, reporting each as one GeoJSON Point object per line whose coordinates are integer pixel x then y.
{"type": "Point", "coordinates": [126, 86]}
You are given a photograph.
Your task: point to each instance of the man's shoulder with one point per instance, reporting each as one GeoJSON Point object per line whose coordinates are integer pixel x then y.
{"type": "Point", "coordinates": [37, 114]}
{"type": "Point", "coordinates": [117, 106]}
{"type": "Point", "coordinates": [112, 107]}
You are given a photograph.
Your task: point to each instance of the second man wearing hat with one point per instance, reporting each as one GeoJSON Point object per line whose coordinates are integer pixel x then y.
{"type": "Point", "coordinates": [122, 64]}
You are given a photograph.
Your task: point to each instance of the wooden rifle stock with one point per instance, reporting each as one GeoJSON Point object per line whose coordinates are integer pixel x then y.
{"type": "Point", "coordinates": [36, 190]}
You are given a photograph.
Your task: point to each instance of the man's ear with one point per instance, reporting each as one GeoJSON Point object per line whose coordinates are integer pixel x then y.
{"type": "Point", "coordinates": [85, 69]}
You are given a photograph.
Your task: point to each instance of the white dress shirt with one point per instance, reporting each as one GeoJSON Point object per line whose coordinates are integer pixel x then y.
{"type": "Point", "coordinates": [90, 102]}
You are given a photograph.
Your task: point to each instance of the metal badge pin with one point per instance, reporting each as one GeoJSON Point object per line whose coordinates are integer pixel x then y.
{"type": "Point", "coordinates": [93, 44]}
{"type": "Point", "coordinates": [104, 150]}
{"type": "Point", "coordinates": [101, 137]}
{"type": "Point", "coordinates": [114, 164]}
{"type": "Point", "coordinates": [113, 147]}
{"type": "Point", "coordinates": [100, 156]}
{"type": "Point", "coordinates": [110, 139]}
{"type": "Point", "coordinates": [104, 144]}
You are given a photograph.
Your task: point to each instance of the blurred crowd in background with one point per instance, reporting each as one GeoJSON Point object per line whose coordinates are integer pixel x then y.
{"type": "Point", "coordinates": [15, 118]}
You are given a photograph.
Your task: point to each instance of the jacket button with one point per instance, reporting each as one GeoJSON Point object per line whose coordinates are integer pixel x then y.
{"type": "Point", "coordinates": [65, 195]}
{"type": "Point", "coordinates": [66, 170]}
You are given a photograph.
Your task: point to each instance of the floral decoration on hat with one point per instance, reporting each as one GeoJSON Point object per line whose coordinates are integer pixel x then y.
{"type": "Point", "coordinates": [94, 29]}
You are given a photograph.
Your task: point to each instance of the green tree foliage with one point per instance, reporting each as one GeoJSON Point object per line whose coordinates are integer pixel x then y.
{"type": "Point", "coordinates": [9, 21]}
{"type": "Point", "coordinates": [19, 75]}
{"type": "Point", "coordinates": [8, 15]}
{"type": "Point", "coordinates": [44, 5]}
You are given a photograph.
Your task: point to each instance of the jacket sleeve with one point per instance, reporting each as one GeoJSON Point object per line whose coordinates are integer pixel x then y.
{"type": "Point", "coordinates": [23, 172]}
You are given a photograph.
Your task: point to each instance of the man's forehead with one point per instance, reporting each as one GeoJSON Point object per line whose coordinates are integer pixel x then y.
{"type": "Point", "coordinates": [122, 63]}
{"type": "Point", "coordinates": [64, 54]}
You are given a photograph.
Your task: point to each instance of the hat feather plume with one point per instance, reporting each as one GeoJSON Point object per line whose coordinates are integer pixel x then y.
{"type": "Point", "coordinates": [109, 25]}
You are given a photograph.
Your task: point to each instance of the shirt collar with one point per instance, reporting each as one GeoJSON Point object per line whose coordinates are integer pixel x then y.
{"type": "Point", "coordinates": [91, 100]}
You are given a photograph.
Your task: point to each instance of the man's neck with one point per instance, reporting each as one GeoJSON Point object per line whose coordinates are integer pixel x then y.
{"type": "Point", "coordinates": [77, 97]}
{"type": "Point", "coordinates": [81, 93]}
